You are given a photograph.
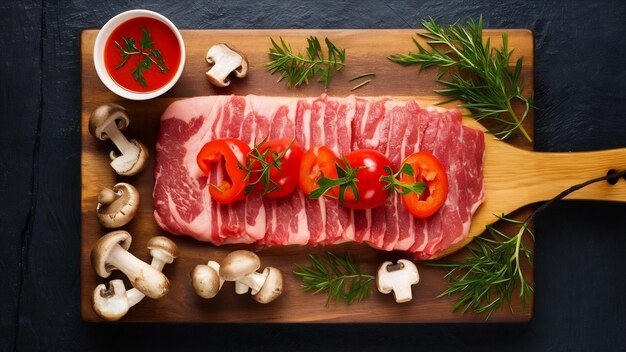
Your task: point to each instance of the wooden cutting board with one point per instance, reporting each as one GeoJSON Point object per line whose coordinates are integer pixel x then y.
{"type": "Point", "coordinates": [366, 51]}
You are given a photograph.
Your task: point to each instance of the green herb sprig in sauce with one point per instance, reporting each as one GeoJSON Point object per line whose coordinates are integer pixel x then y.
{"type": "Point", "coordinates": [150, 55]}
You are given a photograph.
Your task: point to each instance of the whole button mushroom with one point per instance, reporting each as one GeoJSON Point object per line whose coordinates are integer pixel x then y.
{"type": "Point", "coordinates": [206, 280]}
{"type": "Point", "coordinates": [106, 122]}
{"type": "Point", "coordinates": [118, 206]}
{"type": "Point", "coordinates": [241, 266]}
{"type": "Point", "coordinates": [113, 302]}
{"type": "Point", "coordinates": [111, 253]}
{"type": "Point", "coordinates": [397, 278]}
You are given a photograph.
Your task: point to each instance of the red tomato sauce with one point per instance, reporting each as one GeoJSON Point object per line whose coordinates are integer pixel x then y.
{"type": "Point", "coordinates": [164, 40]}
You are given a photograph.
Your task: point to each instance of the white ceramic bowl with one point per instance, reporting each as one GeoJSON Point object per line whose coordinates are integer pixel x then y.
{"type": "Point", "coordinates": [98, 54]}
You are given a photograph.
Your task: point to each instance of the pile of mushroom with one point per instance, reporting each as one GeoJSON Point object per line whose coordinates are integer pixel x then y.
{"type": "Point", "coordinates": [117, 207]}
{"type": "Point", "coordinates": [397, 278]}
{"type": "Point", "coordinates": [111, 253]}
{"type": "Point", "coordinates": [106, 122]}
{"type": "Point", "coordinates": [225, 60]}
{"type": "Point", "coordinates": [241, 267]}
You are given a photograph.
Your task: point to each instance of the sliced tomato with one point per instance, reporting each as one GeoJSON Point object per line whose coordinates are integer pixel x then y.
{"type": "Point", "coordinates": [316, 163]}
{"type": "Point", "coordinates": [427, 169]}
{"type": "Point", "coordinates": [229, 153]}
{"type": "Point", "coordinates": [278, 176]}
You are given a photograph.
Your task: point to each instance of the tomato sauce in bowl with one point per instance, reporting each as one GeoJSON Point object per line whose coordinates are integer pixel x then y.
{"type": "Point", "coordinates": [139, 54]}
{"type": "Point", "coordinates": [163, 40]}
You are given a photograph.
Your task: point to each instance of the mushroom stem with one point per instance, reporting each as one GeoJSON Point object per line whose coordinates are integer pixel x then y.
{"type": "Point", "coordinates": [240, 288]}
{"type": "Point", "coordinates": [141, 275]}
{"type": "Point", "coordinates": [120, 141]}
{"type": "Point", "coordinates": [107, 196]}
{"type": "Point", "coordinates": [254, 280]}
{"type": "Point", "coordinates": [134, 295]}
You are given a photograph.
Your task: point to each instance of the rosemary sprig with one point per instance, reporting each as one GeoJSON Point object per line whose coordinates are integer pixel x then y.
{"type": "Point", "coordinates": [146, 51]}
{"type": "Point", "coordinates": [479, 75]}
{"type": "Point", "coordinates": [486, 279]}
{"type": "Point", "coordinates": [346, 180]}
{"type": "Point", "coordinates": [339, 277]}
{"type": "Point", "coordinates": [393, 184]}
{"type": "Point", "coordinates": [298, 68]}
{"type": "Point", "coordinates": [268, 160]}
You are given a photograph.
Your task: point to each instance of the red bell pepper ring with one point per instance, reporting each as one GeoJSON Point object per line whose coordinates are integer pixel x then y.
{"type": "Point", "coordinates": [427, 169]}
{"type": "Point", "coordinates": [232, 152]}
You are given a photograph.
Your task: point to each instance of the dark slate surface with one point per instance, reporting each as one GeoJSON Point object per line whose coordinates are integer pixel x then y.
{"type": "Point", "coordinates": [580, 89]}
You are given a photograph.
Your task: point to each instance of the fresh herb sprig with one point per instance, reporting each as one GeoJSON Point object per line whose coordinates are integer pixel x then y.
{"type": "Point", "coordinates": [479, 75]}
{"type": "Point", "coordinates": [403, 188]}
{"type": "Point", "coordinates": [339, 277]}
{"type": "Point", "coordinates": [148, 56]}
{"type": "Point", "coordinates": [297, 69]}
{"type": "Point", "coordinates": [486, 279]}
{"type": "Point", "coordinates": [264, 172]}
{"type": "Point", "coordinates": [346, 179]}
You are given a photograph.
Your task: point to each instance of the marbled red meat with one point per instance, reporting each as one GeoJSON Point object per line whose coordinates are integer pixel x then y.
{"type": "Point", "coordinates": [395, 128]}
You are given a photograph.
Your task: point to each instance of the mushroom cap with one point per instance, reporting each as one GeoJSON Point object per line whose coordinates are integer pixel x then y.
{"type": "Point", "coordinates": [110, 303]}
{"type": "Point", "coordinates": [121, 163]}
{"type": "Point", "coordinates": [272, 287]}
{"type": "Point", "coordinates": [104, 115]}
{"type": "Point", "coordinates": [163, 249]}
{"type": "Point", "coordinates": [122, 210]}
{"type": "Point", "coordinates": [205, 281]}
{"type": "Point", "coordinates": [102, 248]}
{"type": "Point", "coordinates": [238, 264]}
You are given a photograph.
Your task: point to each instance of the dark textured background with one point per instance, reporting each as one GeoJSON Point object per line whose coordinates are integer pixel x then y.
{"type": "Point", "coordinates": [580, 83]}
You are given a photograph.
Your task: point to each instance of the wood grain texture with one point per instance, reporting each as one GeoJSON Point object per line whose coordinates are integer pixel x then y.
{"type": "Point", "coordinates": [366, 51]}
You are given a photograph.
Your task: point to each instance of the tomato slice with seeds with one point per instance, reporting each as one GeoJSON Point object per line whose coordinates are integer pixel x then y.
{"type": "Point", "coordinates": [229, 153]}
{"type": "Point", "coordinates": [427, 169]}
{"type": "Point", "coordinates": [316, 163]}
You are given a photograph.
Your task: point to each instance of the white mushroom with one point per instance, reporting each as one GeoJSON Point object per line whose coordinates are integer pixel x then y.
{"type": "Point", "coordinates": [113, 302]}
{"type": "Point", "coordinates": [110, 303]}
{"type": "Point", "coordinates": [241, 266]}
{"type": "Point", "coordinates": [225, 60]}
{"type": "Point", "coordinates": [111, 252]}
{"type": "Point", "coordinates": [118, 206]}
{"type": "Point", "coordinates": [106, 122]}
{"type": "Point", "coordinates": [397, 278]}
{"type": "Point", "coordinates": [206, 280]}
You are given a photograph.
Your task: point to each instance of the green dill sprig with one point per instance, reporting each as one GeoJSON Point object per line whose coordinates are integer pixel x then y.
{"type": "Point", "coordinates": [146, 49]}
{"type": "Point", "coordinates": [479, 75]}
{"type": "Point", "coordinates": [339, 277]}
{"type": "Point", "coordinates": [297, 68]}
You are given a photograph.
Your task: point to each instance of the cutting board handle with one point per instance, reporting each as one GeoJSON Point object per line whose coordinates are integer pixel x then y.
{"type": "Point", "coordinates": [515, 178]}
{"type": "Point", "coordinates": [548, 174]}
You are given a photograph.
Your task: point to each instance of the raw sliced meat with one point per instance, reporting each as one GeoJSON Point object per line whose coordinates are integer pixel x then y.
{"type": "Point", "coordinates": [395, 128]}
